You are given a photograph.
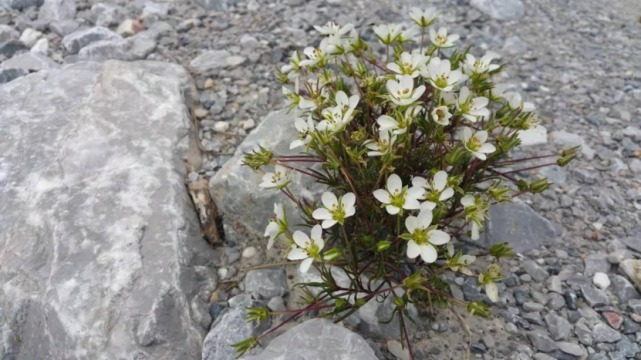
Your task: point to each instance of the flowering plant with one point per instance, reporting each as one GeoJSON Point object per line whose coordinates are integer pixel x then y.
{"type": "Point", "coordinates": [413, 149]}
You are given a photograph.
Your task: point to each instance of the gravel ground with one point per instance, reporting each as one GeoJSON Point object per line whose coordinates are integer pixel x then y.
{"type": "Point", "coordinates": [577, 60]}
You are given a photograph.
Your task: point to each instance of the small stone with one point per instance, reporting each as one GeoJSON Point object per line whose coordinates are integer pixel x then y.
{"type": "Point", "coordinates": [616, 257]}
{"type": "Point", "coordinates": [12, 47]}
{"type": "Point", "coordinates": [532, 306]}
{"type": "Point", "coordinates": [518, 224]}
{"type": "Point", "coordinates": [222, 273]}
{"type": "Point", "coordinates": [635, 166]}
{"type": "Point", "coordinates": [601, 280]}
{"type": "Point", "coordinates": [7, 75]}
{"type": "Point", "coordinates": [570, 299]}
{"type": "Point", "coordinates": [542, 356]}
{"type": "Point", "coordinates": [248, 124]}
{"type": "Point", "coordinates": [276, 304]}
{"type": "Point", "coordinates": [603, 333]}
{"type": "Point", "coordinates": [30, 62]}
{"type": "Point", "coordinates": [64, 27]}
{"type": "Point", "coordinates": [526, 278]}
{"type": "Point", "coordinates": [500, 9]}
{"type": "Point", "coordinates": [533, 318]}
{"type": "Point", "coordinates": [41, 47]}
{"type": "Point", "coordinates": [541, 341]}
{"type": "Point", "coordinates": [249, 251]}
{"type": "Point", "coordinates": [30, 36]}
{"type": "Point", "coordinates": [266, 283]}
{"type": "Point", "coordinates": [559, 327]}
{"type": "Point", "coordinates": [632, 269]}
{"type": "Point", "coordinates": [74, 42]}
{"type": "Point", "coordinates": [234, 60]}
{"type": "Point", "coordinates": [57, 10]}
{"type": "Point", "coordinates": [583, 332]}
{"type": "Point", "coordinates": [108, 15]}
{"type": "Point", "coordinates": [628, 349]}
{"type": "Point", "coordinates": [8, 33]}
{"type": "Point", "coordinates": [561, 254]}
{"type": "Point", "coordinates": [521, 296]}
{"type": "Point", "coordinates": [535, 271]}
{"type": "Point", "coordinates": [596, 263]}
{"type": "Point", "coordinates": [571, 348]}
{"type": "Point", "coordinates": [200, 113]}
{"type": "Point", "coordinates": [128, 27]}
{"type": "Point", "coordinates": [594, 297]}
{"type": "Point", "coordinates": [614, 320]}
{"type": "Point", "coordinates": [478, 348]}
{"type": "Point", "coordinates": [208, 84]}
{"type": "Point", "coordinates": [221, 126]}
{"type": "Point", "coordinates": [623, 289]}
{"type": "Point", "coordinates": [555, 301]}
{"type": "Point", "coordinates": [159, 9]}
{"type": "Point", "coordinates": [488, 340]}
{"type": "Point", "coordinates": [210, 60]}
{"type": "Point", "coordinates": [511, 328]}
{"type": "Point", "coordinates": [554, 284]}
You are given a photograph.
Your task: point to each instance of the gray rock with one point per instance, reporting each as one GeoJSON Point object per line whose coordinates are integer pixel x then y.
{"type": "Point", "coordinates": [159, 9]}
{"type": "Point", "coordinates": [570, 139]}
{"type": "Point", "coordinates": [632, 269]}
{"type": "Point", "coordinates": [532, 306]}
{"type": "Point", "coordinates": [266, 283]}
{"type": "Point", "coordinates": [57, 10]}
{"type": "Point", "coordinates": [555, 301]}
{"type": "Point", "coordinates": [623, 289]}
{"type": "Point", "coordinates": [230, 327]}
{"type": "Point", "coordinates": [317, 339]}
{"type": "Point", "coordinates": [603, 333]}
{"type": "Point", "coordinates": [215, 59]}
{"type": "Point", "coordinates": [12, 47]}
{"type": "Point", "coordinates": [276, 304]}
{"type": "Point", "coordinates": [101, 240]}
{"type": "Point", "coordinates": [500, 9]}
{"type": "Point", "coordinates": [235, 187]}
{"type": "Point", "coordinates": [555, 284]}
{"type": "Point", "coordinates": [30, 62]}
{"type": "Point", "coordinates": [108, 15]}
{"type": "Point", "coordinates": [7, 75]}
{"type": "Point", "coordinates": [23, 4]}
{"type": "Point", "coordinates": [517, 224]}
{"type": "Point", "coordinates": [594, 297]}
{"type": "Point", "coordinates": [628, 348]}
{"type": "Point", "coordinates": [137, 47]}
{"type": "Point", "coordinates": [583, 332]}
{"type": "Point", "coordinates": [541, 341]}
{"type": "Point", "coordinates": [64, 27]}
{"type": "Point", "coordinates": [572, 348]}
{"type": "Point", "coordinates": [8, 33]}
{"type": "Point", "coordinates": [559, 327]}
{"type": "Point", "coordinates": [535, 270]}
{"type": "Point", "coordinates": [216, 4]}
{"type": "Point", "coordinates": [595, 263]}
{"type": "Point", "coordinates": [81, 38]}
{"type": "Point", "coordinates": [633, 242]}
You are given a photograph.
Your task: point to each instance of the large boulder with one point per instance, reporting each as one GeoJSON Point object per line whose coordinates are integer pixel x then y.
{"type": "Point", "coordinates": [520, 226]}
{"type": "Point", "coordinates": [317, 339]}
{"type": "Point", "coordinates": [101, 251]}
{"type": "Point", "coordinates": [235, 187]}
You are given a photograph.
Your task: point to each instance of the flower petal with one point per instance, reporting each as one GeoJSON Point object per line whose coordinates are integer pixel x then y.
{"type": "Point", "coordinates": [329, 200]}
{"type": "Point", "coordinates": [428, 253]}
{"type": "Point", "coordinates": [446, 194]}
{"type": "Point", "coordinates": [440, 180]}
{"type": "Point", "coordinates": [321, 214]}
{"type": "Point", "coordinates": [382, 196]}
{"type": "Point", "coordinates": [467, 201]}
{"type": "Point", "coordinates": [328, 223]}
{"type": "Point", "coordinates": [413, 250]}
{"type": "Point", "coordinates": [392, 210]}
{"type": "Point", "coordinates": [348, 200]}
{"type": "Point", "coordinates": [481, 136]}
{"type": "Point", "coordinates": [438, 237]}
{"type": "Point", "coordinates": [394, 184]}
{"type": "Point", "coordinates": [424, 219]}
{"type": "Point", "coordinates": [487, 148]}
{"type": "Point", "coordinates": [297, 254]}
{"type": "Point", "coordinates": [306, 264]}
{"type": "Point", "coordinates": [300, 238]}
{"type": "Point", "coordinates": [411, 222]}
{"type": "Point", "coordinates": [492, 291]}
{"type": "Point", "coordinates": [427, 205]}
{"type": "Point", "coordinates": [419, 181]}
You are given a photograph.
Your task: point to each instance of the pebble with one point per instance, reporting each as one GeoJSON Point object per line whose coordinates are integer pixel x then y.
{"type": "Point", "coordinates": [614, 320]}
{"type": "Point", "coordinates": [601, 280]}
{"type": "Point", "coordinates": [249, 252]}
{"type": "Point", "coordinates": [559, 327]}
{"type": "Point", "coordinates": [594, 297]}
{"type": "Point", "coordinates": [532, 306]}
{"type": "Point", "coordinates": [221, 126]}
{"type": "Point", "coordinates": [571, 348]}
{"type": "Point", "coordinates": [30, 36]}
{"type": "Point", "coordinates": [537, 273]}
{"type": "Point", "coordinates": [570, 299]}
{"type": "Point", "coordinates": [541, 341]}
{"type": "Point", "coordinates": [603, 333]}
{"type": "Point", "coordinates": [554, 284]}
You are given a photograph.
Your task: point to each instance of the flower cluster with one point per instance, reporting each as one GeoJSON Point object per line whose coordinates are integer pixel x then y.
{"type": "Point", "coordinates": [413, 148]}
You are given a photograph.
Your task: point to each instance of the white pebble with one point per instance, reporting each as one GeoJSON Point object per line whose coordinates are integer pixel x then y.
{"type": "Point", "coordinates": [30, 36]}
{"type": "Point", "coordinates": [41, 47]}
{"type": "Point", "coordinates": [601, 280]}
{"type": "Point", "coordinates": [249, 252]}
{"type": "Point", "coordinates": [221, 126]}
{"type": "Point", "coordinates": [248, 124]}
{"type": "Point", "coordinates": [222, 273]}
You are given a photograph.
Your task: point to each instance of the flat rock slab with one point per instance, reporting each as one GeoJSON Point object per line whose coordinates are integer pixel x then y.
{"type": "Point", "coordinates": [99, 244]}
{"type": "Point", "coordinates": [317, 339]}
{"type": "Point", "coordinates": [517, 224]}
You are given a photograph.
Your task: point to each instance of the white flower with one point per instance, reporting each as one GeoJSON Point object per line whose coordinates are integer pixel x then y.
{"type": "Point", "coordinates": [277, 225]}
{"type": "Point", "coordinates": [435, 190]}
{"type": "Point", "coordinates": [332, 28]}
{"type": "Point", "coordinates": [335, 210]}
{"type": "Point", "coordinates": [462, 261]}
{"type": "Point", "coordinates": [492, 291]}
{"type": "Point", "coordinates": [441, 76]}
{"type": "Point", "coordinates": [423, 18]}
{"type": "Point", "coordinates": [441, 115]}
{"type": "Point", "coordinates": [276, 180]}
{"type": "Point", "coordinates": [335, 118]}
{"type": "Point", "coordinates": [395, 197]}
{"type": "Point", "coordinates": [476, 143]}
{"type": "Point", "coordinates": [294, 63]}
{"type": "Point", "coordinates": [383, 145]}
{"type": "Point", "coordinates": [479, 66]}
{"type": "Point", "coordinates": [422, 237]}
{"type": "Point", "coordinates": [402, 92]}
{"type": "Point", "coordinates": [472, 108]}
{"type": "Point", "coordinates": [314, 56]}
{"type": "Point", "coordinates": [408, 64]}
{"type": "Point", "coordinates": [304, 129]}
{"type": "Point", "coordinates": [474, 214]}
{"type": "Point", "coordinates": [515, 101]}
{"type": "Point", "coordinates": [407, 35]}
{"type": "Point", "coordinates": [440, 39]}
{"type": "Point", "coordinates": [387, 33]}
{"type": "Point", "coordinates": [307, 249]}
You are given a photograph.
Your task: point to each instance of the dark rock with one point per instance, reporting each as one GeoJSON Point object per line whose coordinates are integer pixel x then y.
{"type": "Point", "coordinates": [266, 283]}
{"type": "Point", "coordinates": [7, 75]}
{"type": "Point", "coordinates": [215, 310]}
{"type": "Point", "coordinates": [521, 296]}
{"type": "Point", "coordinates": [23, 4]}
{"type": "Point", "coordinates": [594, 297]}
{"type": "Point", "coordinates": [517, 224]}
{"type": "Point", "coordinates": [541, 341]}
{"type": "Point", "coordinates": [570, 299]}
{"type": "Point", "coordinates": [630, 327]}
{"type": "Point", "coordinates": [12, 47]}
{"type": "Point", "coordinates": [478, 348]}
{"type": "Point", "coordinates": [79, 39]}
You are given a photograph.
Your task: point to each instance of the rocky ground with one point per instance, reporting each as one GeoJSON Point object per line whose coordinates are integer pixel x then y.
{"type": "Point", "coordinates": [571, 295]}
